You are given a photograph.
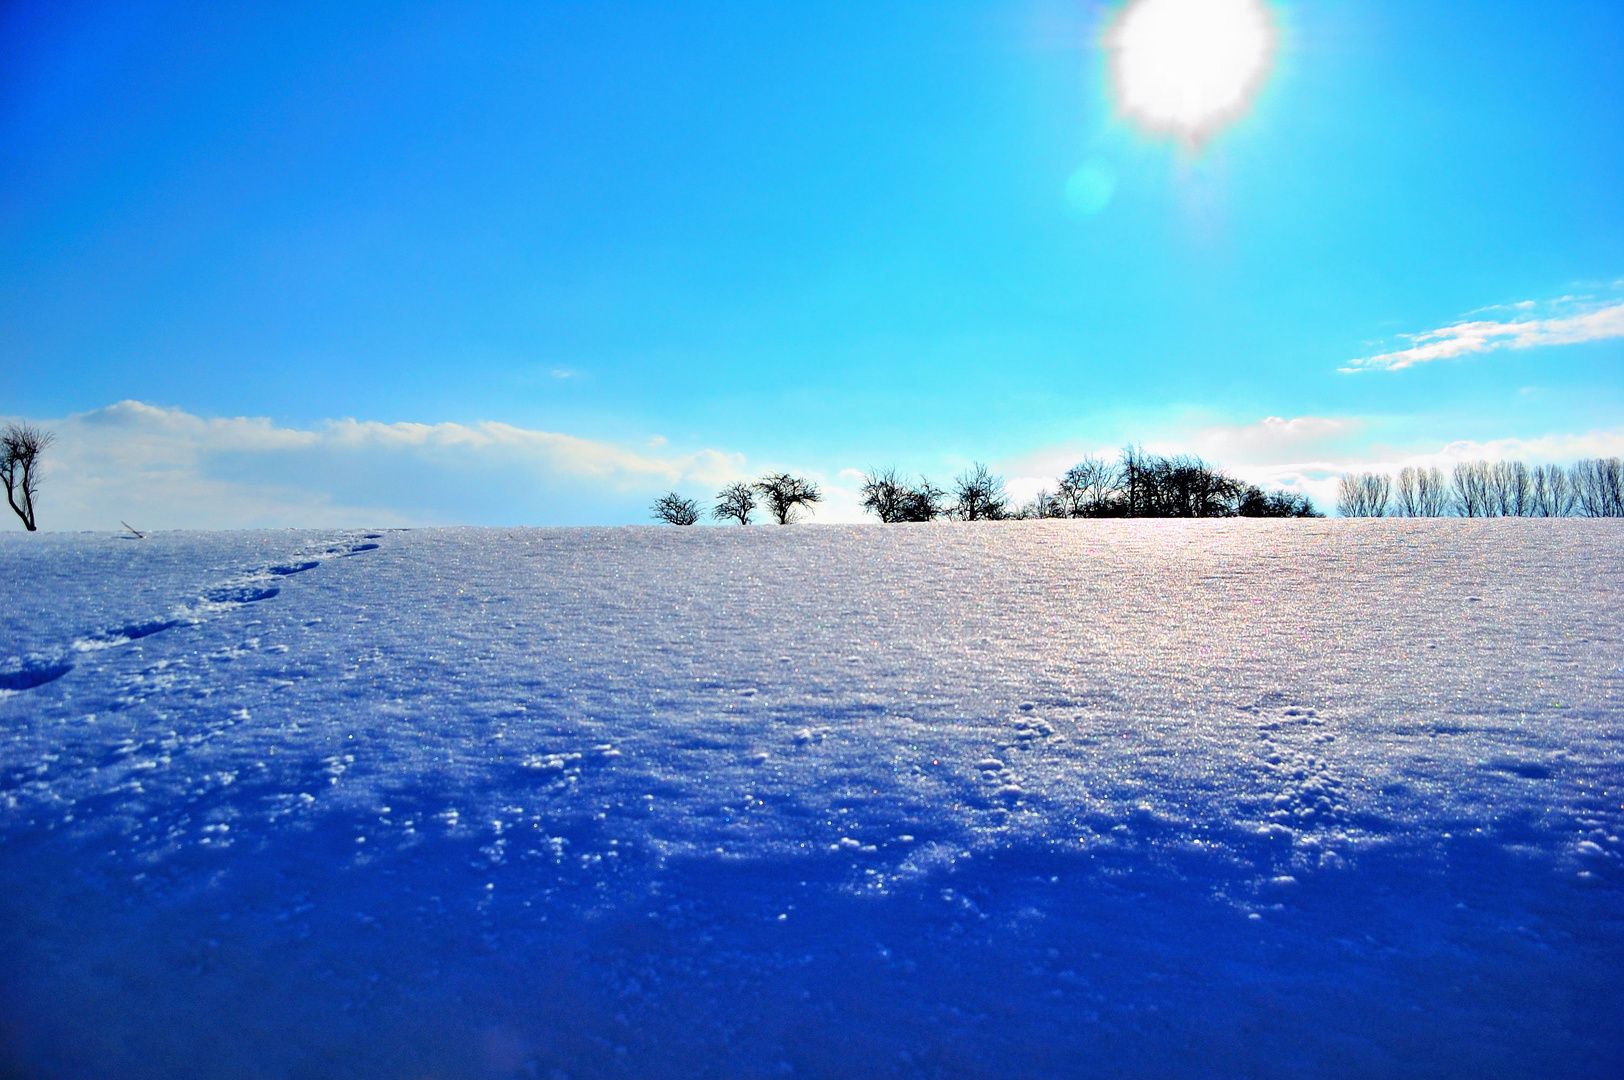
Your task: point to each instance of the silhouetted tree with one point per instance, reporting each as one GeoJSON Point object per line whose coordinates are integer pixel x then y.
{"type": "Point", "coordinates": [923, 502]}
{"type": "Point", "coordinates": [673, 509]}
{"type": "Point", "coordinates": [734, 502]}
{"type": "Point", "coordinates": [1255, 502]}
{"type": "Point", "coordinates": [784, 494]}
{"type": "Point", "coordinates": [978, 495]}
{"type": "Point", "coordinates": [884, 494]}
{"type": "Point", "coordinates": [1131, 469]}
{"type": "Point", "coordinates": [1151, 485]}
{"type": "Point", "coordinates": [1044, 504]}
{"type": "Point", "coordinates": [20, 448]}
{"type": "Point", "coordinates": [891, 499]}
{"type": "Point", "coordinates": [1088, 488]}
{"type": "Point", "coordinates": [1186, 486]}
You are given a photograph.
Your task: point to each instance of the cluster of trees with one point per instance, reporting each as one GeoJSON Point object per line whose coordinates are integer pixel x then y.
{"type": "Point", "coordinates": [1136, 485]}
{"type": "Point", "coordinates": [1593, 487]}
{"type": "Point", "coordinates": [20, 448]}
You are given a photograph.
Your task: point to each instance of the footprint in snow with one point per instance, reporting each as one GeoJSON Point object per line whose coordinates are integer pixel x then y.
{"type": "Point", "coordinates": [123, 635]}
{"type": "Point", "coordinates": [289, 569]}
{"type": "Point", "coordinates": [29, 676]}
{"type": "Point", "coordinates": [34, 674]}
{"type": "Point", "coordinates": [240, 594]}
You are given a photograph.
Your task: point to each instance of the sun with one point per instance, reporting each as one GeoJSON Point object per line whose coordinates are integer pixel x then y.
{"type": "Point", "coordinates": [1187, 67]}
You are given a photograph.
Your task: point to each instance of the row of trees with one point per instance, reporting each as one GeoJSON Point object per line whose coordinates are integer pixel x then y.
{"type": "Point", "coordinates": [1137, 484]}
{"type": "Point", "coordinates": [782, 495]}
{"type": "Point", "coordinates": [1593, 487]}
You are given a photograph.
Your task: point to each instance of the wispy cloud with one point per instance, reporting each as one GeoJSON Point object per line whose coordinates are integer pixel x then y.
{"type": "Point", "coordinates": [168, 468]}
{"type": "Point", "coordinates": [1488, 335]}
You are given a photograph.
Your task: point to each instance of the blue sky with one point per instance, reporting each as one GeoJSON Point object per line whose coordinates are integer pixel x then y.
{"type": "Point", "coordinates": [552, 260]}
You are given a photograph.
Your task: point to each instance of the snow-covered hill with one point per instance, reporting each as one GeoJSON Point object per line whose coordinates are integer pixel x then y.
{"type": "Point", "coordinates": [1115, 799]}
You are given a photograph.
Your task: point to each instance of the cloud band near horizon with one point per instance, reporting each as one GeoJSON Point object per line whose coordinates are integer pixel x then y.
{"type": "Point", "coordinates": [162, 468]}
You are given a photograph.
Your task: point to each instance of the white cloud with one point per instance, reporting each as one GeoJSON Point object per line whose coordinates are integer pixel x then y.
{"type": "Point", "coordinates": [1486, 336]}
{"type": "Point", "coordinates": [166, 468]}
{"type": "Point", "coordinates": [1270, 438]}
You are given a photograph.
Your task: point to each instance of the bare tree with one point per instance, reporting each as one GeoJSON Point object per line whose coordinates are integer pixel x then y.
{"type": "Point", "coordinates": [1045, 504]}
{"type": "Point", "coordinates": [1551, 493]}
{"type": "Point", "coordinates": [1255, 502]}
{"type": "Point", "coordinates": [1088, 488]}
{"type": "Point", "coordinates": [1349, 496]}
{"type": "Point", "coordinates": [885, 494]}
{"type": "Point", "coordinates": [1432, 491]}
{"type": "Point", "coordinates": [673, 509]}
{"type": "Point", "coordinates": [1598, 487]}
{"type": "Point", "coordinates": [924, 502]}
{"type": "Point", "coordinates": [1520, 485]}
{"type": "Point", "coordinates": [1420, 493]}
{"type": "Point", "coordinates": [978, 495]}
{"type": "Point", "coordinates": [784, 494]}
{"type": "Point", "coordinates": [1472, 495]}
{"type": "Point", "coordinates": [1186, 486]}
{"type": "Point", "coordinates": [734, 503]}
{"type": "Point", "coordinates": [892, 499]}
{"type": "Point", "coordinates": [1131, 481]}
{"type": "Point", "coordinates": [1506, 488]}
{"type": "Point", "coordinates": [20, 448]}
{"type": "Point", "coordinates": [1364, 495]}
{"type": "Point", "coordinates": [1407, 493]}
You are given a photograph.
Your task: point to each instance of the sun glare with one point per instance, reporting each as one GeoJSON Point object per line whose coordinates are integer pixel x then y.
{"type": "Point", "coordinates": [1186, 67]}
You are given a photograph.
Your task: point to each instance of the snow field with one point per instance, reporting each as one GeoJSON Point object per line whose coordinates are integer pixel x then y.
{"type": "Point", "coordinates": [1334, 798]}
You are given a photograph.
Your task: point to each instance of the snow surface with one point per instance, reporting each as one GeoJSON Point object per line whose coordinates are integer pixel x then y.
{"type": "Point", "coordinates": [1033, 799]}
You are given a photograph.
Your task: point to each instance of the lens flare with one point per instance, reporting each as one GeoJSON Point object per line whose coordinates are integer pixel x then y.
{"type": "Point", "coordinates": [1187, 67]}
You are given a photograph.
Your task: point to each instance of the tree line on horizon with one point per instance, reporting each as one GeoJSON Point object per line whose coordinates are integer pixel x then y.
{"type": "Point", "coordinates": [1593, 487]}
{"type": "Point", "coordinates": [1136, 485]}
